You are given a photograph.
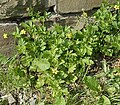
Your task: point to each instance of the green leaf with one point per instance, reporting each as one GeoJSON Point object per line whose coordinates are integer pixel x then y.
{"type": "Point", "coordinates": [107, 39]}
{"type": "Point", "coordinates": [20, 73]}
{"type": "Point", "coordinates": [106, 100]}
{"type": "Point", "coordinates": [60, 101]}
{"type": "Point", "coordinates": [89, 50]}
{"type": "Point", "coordinates": [40, 81]}
{"type": "Point", "coordinates": [87, 61]}
{"type": "Point", "coordinates": [30, 23]}
{"type": "Point", "coordinates": [17, 30]}
{"type": "Point", "coordinates": [43, 64]}
{"type": "Point", "coordinates": [95, 27]}
{"type": "Point", "coordinates": [114, 24]}
{"type": "Point", "coordinates": [16, 34]}
{"type": "Point", "coordinates": [92, 83]}
{"type": "Point", "coordinates": [42, 103]}
{"type": "Point", "coordinates": [24, 25]}
{"type": "Point", "coordinates": [111, 90]}
{"type": "Point", "coordinates": [71, 69]}
{"type": "Point", "coordinates": [3, 59]}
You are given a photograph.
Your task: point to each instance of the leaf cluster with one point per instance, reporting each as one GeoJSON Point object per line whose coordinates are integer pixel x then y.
{"type": "Point", "coordinates": [53, 59]}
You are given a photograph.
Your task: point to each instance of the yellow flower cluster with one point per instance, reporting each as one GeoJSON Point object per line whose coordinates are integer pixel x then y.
{"type": "Point", "coordinates": [116, 7]}
{"type": "Point", "coordinates": [22, 32]}
{"type": "Point", "coordinates": [69, 35]}
{"type": "Point", "coordinates": [27, 9]}
{"type": "Point", "coordinates": [84, 14]}
{"type": "Point", "coordinates": [54, 70]}
{"type": "Point", "coordinates": [5, 36]}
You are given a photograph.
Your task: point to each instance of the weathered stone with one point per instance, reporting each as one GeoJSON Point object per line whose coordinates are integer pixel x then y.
{"type": "Point", "coordinates": [70, 6]}
{"type": "Point", "coordinates": [66, 20]}
{"type": "Point", "coordinates": [18, 8]}
{"type": "Point", "coordinates": [3, 1]}
{"type": "Point", "coordinates": [7, 45]}
{"type": "Point", "coordinates": [15, 8]}
{"type": "Point", "coordinates": [72, 21]}
{"type": "Point", "coordinates": [49, 3]}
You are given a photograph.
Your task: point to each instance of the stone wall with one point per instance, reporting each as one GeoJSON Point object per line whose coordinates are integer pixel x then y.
{"type": "Point", "coordinates": [7, 45]}
{"type": "Point", "coordinates": [15, 8]}
{"type": "Point", "coordinates": [10, 9]}
{"type": "Point", "coordinates": [70, 6]}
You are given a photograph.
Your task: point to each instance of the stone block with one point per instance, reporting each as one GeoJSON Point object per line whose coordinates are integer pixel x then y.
{"type": "Point", "coordinates": [49, 3]}
{"type": "Point", "coordinates": [18, 8]}
{"type": "Point", "coordinates": [7, 45]}
{"type": "Point", "coordinates": [66, 20]}
{"type": "Point", "coordinates": [70, 6]}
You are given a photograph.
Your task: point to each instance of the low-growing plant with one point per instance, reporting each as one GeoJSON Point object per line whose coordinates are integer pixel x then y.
{"type": "Point", "coordinates": [49, 58]}
{"type": "Point", "coordinates": [57, 61]}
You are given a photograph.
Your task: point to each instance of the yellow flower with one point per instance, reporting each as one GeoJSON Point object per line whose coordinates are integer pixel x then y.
{"type": "Point", "coordinates": [22, 32]}
{"type": "Point", "coordinates": [28, 9]}
{"type": "Point", "coordinates": [84, 14]}
{"type": "Point", "coordinates": [5, 36]}
{"type": "Point", "coordinates": [94, 17]}
{"type": "Point", "coordinates": [69, 35]}
{"type": "Point", "coordinates": [83, 9]}
{"type": "Point", "coordinates": [116, 7]}
{"type": "Point", "coordinates": [54, 70]}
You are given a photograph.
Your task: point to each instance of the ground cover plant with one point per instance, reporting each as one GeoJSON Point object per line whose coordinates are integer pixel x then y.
{"type": "Point", "coordinates": [61, 66]}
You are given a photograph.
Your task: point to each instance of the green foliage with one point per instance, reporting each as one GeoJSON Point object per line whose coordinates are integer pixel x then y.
{"type": "Point", "coordinates": [105, 100]}
{"type": "Point", "coordinates": [3, 59]}
{"type": "Point", "coordinates": [60, 101]}
{"type": "Point", "coordinates": [53, 60]}
{"type": "Point", "coordinates": [92, 83]}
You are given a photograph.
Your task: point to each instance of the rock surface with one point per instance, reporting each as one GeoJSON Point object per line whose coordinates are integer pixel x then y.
{"type": "Point", "coordinates": [70, 6]}
{"type": "Point", "coordinates": [67, 20]}
{"type": "Point", "coordinates": [15, 8]}
{"type": "Point", "coordinates": [7, 45]}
